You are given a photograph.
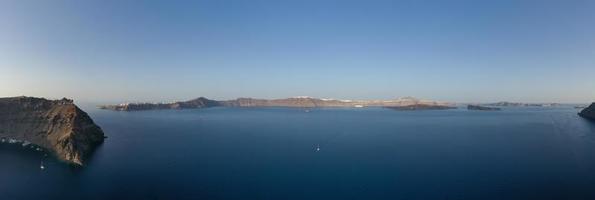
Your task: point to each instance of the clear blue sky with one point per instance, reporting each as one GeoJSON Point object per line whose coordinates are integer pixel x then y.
{"type": "Point", "coordinates": [463, 51]}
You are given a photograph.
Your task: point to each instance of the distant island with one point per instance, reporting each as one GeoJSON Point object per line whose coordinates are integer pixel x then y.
{"type": "Point", "coordinates": [511, 104]}
{"type": "Point", "coordinates": [56, 125]}
{"type": "Point", "coordinates": [421, 107]}
{"type": "Point", "coordinates": [406, 103]}
{"type": "Point", "coordinates": [483, 108]}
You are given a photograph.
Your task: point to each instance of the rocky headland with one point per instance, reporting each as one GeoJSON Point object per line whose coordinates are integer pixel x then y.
{"type": "Point", "coordinates": [407, 103]}
{"type": "Point", "coordinates": [56, 125]}
{"type": "Point", "coordinates": [588, 112]}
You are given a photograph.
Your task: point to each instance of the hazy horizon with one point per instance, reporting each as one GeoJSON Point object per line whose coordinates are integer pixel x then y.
{"type": "Point", "coordinates": [457, 51]}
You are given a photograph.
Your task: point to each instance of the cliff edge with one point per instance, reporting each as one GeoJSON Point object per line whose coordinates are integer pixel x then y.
{"type": "Point", "coordinates": [57, 125]}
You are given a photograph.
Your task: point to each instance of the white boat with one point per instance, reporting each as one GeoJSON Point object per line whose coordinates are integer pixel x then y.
{"type": "Point", "coordinates": [42, 167]}
{"type": "Point", "coordinates": [318, 148]}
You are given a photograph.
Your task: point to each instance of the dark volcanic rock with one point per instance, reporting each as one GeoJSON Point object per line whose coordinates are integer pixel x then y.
{"type": "Point", "coordinates": [588, 112]}
{"type": "Point", "coordinates": [59, 126]}
{"type": "Point", "coordinates": [476, 107]}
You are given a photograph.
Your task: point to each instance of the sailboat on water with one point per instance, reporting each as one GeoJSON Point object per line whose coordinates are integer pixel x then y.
{"type": "Point", "coordinates": [42, 167]}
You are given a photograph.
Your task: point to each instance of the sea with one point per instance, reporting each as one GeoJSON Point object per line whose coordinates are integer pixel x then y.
{"type": "Point", "coordinates": [322, 153]}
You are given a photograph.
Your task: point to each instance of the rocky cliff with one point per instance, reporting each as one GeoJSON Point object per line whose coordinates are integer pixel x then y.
{"type": "Point", "coordinates": [588, 112]}
{"type": "Point", "coordinates": [407, 103]}
{"type": "Point", "coordinates": [58, 125]}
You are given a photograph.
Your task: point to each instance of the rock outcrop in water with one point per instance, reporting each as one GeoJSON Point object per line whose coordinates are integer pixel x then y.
{"type": "Point", "coordinates": [406, 103]}
{"type": "Point", "coordinates": [588, 112]}
{"type": "Point", "coordinates": [484, 108]}
{"type": "Point", "coordinates": [58, 125]}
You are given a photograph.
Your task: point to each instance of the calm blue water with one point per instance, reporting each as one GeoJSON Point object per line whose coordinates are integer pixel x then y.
{"type": "Point", "coordinates": [269, 153]}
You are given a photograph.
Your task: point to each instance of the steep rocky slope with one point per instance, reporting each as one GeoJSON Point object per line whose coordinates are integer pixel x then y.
{"type": "Point", "coordinates": [58, 125]}
{"type": "Point", "coordinates": [588, 112]}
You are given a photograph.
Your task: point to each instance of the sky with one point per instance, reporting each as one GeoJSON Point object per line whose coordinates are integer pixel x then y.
{"type": "Point", "coordinates": [448, 50]}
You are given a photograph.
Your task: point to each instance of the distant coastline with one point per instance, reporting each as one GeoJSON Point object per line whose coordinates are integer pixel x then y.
{"type": "Point", "coordinates": [518, 104]}
{"type": "Point", "coordinates": [483, 108]}
{"type": "Point", "coordinates": [406, 103]}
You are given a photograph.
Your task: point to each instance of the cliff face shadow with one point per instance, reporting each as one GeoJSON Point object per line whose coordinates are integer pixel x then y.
{"type": "Point", "coordinates": [90, 158]}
